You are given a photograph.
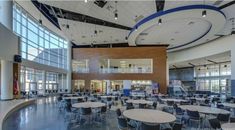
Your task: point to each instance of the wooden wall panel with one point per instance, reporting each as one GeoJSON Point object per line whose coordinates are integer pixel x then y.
{"type": "Point", "coordinates": [158, 54]}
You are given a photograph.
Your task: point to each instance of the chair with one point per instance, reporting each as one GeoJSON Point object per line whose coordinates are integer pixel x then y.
{"type": "Point", "coordinates": [122, 124]}
{"type": "Point", "coordinates": [179, 113]}
{"type": "Point", "coordinates": [215, 123]}
{"type": "Point", "coordinates": [154, 105]}
{"type": "Point", "coordinates": [194, 116]}
{"type": "Point", "coordinates": [223, 117]}
{"type": "Point", "coordinates": [232, 119]}
{"type": "Point", "coordinates": [142, 106]}
{"type": "Point", "coordinates": [170, 103]}
{"type": "Point", "coordinates": [149, 127]}
{"type": "Point", "coordinates": [118, 112]}
{"type": "Point", "coordinates": [193, 101]}
{"type": "Point", "coordinates": [168, 110]}
{"type": "Point", "coordinates": [177, 126]}
{"type": "Point", "coordinates": [85, 113]}
{"type": "Point", "coordinates": [102, 112]}
{"type": "Point", "coordinates": [184, 103]}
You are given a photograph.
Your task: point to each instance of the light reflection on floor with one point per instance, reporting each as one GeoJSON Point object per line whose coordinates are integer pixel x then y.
{"type": "Point", "coordinates": [45, 116]}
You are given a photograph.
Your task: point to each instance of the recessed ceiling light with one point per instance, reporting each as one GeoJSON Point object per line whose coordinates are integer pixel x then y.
{"type": "Point", "coordinates": [116, 16]}
{"type": "Point", "coordinates": [85, 1]}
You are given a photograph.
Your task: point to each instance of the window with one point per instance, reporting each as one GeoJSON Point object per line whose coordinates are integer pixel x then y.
{"type": "Point", "coordinates": [214, 78]}
{"type": "Point", "coordinates": [38, 43]}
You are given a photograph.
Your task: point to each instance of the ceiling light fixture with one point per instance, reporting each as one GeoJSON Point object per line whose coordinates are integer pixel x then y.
{"type": "Point", "coordinates": [159, 21]}
{"type": "Point", "coordinates": [85, 1]}
{"type": "Point", "coordinates": [116, 16]}
{"type": "Point", "coordinates": [115, 12]}
{"type": "Point", "coordinates": [204, 13]}
{"type": "Point", "coordinates": [136, 28]}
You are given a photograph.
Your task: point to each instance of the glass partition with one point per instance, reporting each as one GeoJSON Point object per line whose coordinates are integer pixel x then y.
{"type": "Point", "coordinates": [126, 66]}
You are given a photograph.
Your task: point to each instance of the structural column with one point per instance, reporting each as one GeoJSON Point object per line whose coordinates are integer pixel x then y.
{"type": "Point", "coordinates": [44, 76]}
{"type": "Point", "coordinates": [6, 18]}
{"type": "Point", "coordinates": [69, 67]}
{"type": "Point", "coordinates": [233, 69]}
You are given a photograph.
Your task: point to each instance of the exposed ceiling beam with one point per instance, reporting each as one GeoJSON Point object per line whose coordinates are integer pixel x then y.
{"type": "Point", "coordinates": [191, 64]}
{"type": "Point", "coordinates": [212, 61]}
{"type": "Point", "coordinates": [227, 5]}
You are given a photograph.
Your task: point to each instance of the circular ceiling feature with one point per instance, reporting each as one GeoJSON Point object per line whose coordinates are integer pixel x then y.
{"type": "Point", "coordinates": [180, 27]}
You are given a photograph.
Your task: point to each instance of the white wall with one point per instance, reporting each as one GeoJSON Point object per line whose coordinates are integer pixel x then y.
{"type": "Point", "coordinates": [8, 44]}
{"type": "Point", "coordinates": [218, 46]}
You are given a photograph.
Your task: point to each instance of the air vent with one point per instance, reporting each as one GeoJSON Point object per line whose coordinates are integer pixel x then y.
{"type": "Point", "coordinates": [138, 18]}
{"type": "Point", "coordinates": [116, 40]}
{"type": "Point", "coordinates": [191, 23]}
{"type": "Point", "coordinates": [83, 36]}
{"type": "Point", "coordinates": [218, 2]}
{"type": "Point", "coordinates": [143, 34]}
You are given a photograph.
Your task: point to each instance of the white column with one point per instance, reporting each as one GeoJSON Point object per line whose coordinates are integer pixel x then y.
{"type": "Point", "coordinates": [233, 70]}
{"type": "Point", "coordinates": [167, 74]}
{"type": "Point", "coordinates": [108, 65]}
{"type": "Point", "coordinates": [44, 79]}
{"type": "Point", "coordinates": [108, 86]}
{"type": "Point", "coordinates": [6, 80]}
{"type": "Point", "coordinates": [6, 18]}
{"type": "Point", "coordinates": [69, 66]}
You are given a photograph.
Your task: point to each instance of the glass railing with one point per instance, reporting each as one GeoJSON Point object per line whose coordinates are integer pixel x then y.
{"type": "Point", "coordinates": [81, 70]}
{"type": "Point", "coordinates": [126, 70]}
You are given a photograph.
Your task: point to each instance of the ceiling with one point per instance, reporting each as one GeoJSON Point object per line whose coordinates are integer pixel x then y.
{"type": "Point", "coordinates": [219, 58]}
{"type": "Point", "coordinates": [129, 14]}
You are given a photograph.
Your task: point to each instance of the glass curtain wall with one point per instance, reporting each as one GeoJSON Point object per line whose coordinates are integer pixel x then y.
{"type": "Point", "coordinates": [214, 78]}
{"type": "Point", "coordinates": [38, 43]}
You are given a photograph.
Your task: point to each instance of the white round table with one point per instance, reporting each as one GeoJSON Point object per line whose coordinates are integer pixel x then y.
{"type": "Point", "coordinates": [174, 100]}
{"type": "Point", "coordinates": [231, 105]}
{"type": "Point", "coordinates": [204, 109]}
{"type": "Point", "coordinates": [228, 126]}
{"type": "Point", "coordinates": [139, 101]}
{"type": "Point", "coordinates": [88, 104]}
{"type": "Point", "coordinates": [149, 116]}
{"type": "Point", "coordinates": [73, 98]}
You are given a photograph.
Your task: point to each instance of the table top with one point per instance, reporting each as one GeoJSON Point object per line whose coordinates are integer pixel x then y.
{"type": "Point", "coordinates": [228, 126]}
{"type": "Point", "coordinates": [139, 101]}
{"type": "Point", "coordinates": [172, 99]}
{"type": "Point", "coordinates": [231, 105]}
{"type": "Point", "coordinates": [149, 116]}
{"type": "Point", "coordinates": [73, 98]}
{"type": "Point", "coordinates": [88, 104]}
{"type": "Point", "coordinates": [204, 109]}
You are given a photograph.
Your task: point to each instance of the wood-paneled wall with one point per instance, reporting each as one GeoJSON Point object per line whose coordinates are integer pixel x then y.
{"type": "Point", "coordinates": [157, 53]}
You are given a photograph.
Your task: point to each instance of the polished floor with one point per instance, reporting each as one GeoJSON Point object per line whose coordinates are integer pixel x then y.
{"type": "Point", "coordinates": [45, 116]}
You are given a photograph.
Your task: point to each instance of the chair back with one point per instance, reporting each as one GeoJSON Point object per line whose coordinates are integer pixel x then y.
{"type": "Point", "coordinates": [214, 123]}
{"type": "Point", "coordinates": [232, 119]}
{"type": "Point", "coordinates": [223, 117]}
{"type": "Point", "coordinates": [193, 115]}
{"type": "Point", "coordinates": [103, 109]}
{"type": "Point", "coordinates": [86, 111]}
{"type": "Point", "coordinates": [142, 106]}
{"type": "Point", "coordinates": [154, 105]}
{"type": "Point", "coordinates": [149, 127]}
{"type": "Point", "coordinates": [122, 123]}
{"type": "Point", "coordinates": [118, 112]}
{"type": "Point", "coordinates": [177, 126]}
{"type": "Point", "coordinates": [170, 103]}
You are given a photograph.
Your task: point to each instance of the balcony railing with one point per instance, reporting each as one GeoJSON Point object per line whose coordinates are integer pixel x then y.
{"type": "Point", "coordinates": [81, 70]}
{"type": "Point", "coordinates": [126, 70]}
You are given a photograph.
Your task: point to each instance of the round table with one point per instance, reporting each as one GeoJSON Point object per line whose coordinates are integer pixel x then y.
{"type": "Point", "coordinates": [204, 109]}
{"type": "Point", "coordinates": [73, 98]}
{"type": "Point", "coordinates": [228, 126]}
{"type": "Point", "coordinates": [139, 101]}
{"type": "Point", "coordinates": [174, 100]}
{"type": "Point", "coordinates": [88, 104]}
{"type": "Point", "coordinates": [231, 105]}
{"type": "Point", "coordinates": [149, 116]}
